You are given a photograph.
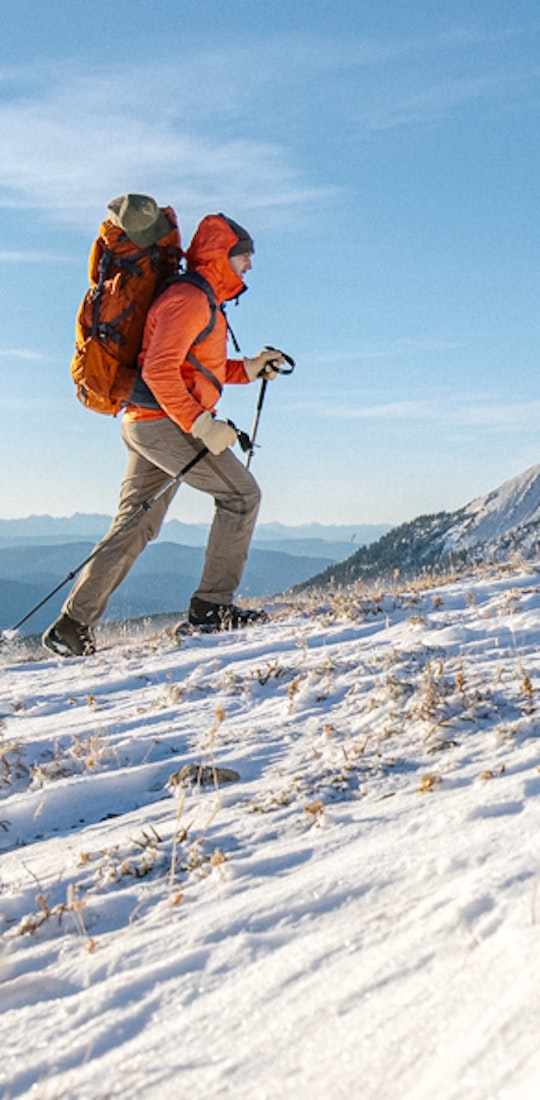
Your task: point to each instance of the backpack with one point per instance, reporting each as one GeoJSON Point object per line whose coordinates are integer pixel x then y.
{"type": "Point", "coordinates": [137, 251]}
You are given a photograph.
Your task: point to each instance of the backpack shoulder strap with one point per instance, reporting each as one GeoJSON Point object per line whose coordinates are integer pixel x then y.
{"type": "Point", "coordinates": [201, 283]}
{"type": "Point", "coordinates": [141, 394]}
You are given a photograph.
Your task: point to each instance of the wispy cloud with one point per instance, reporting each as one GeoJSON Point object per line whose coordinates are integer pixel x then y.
{"type": "Point", "coordinates": [380, 349]}
{"type": "Point", "coordinates": [71, 130]}
{"type": "Point", "coordinates": [389, 410]}
{"type": "Point", "coordinates": [448, 411]}
{"type": "Point", "coordinates": [362, 409]}
{"type": "Point", "coordinates": [31, 257]}
{"type": "Point", "coordinates": [23, 353]}
{"type": "Point", "coordinates": [498, 414]}
{"type": "Point", "coordinates": [427, 78]}
{"type": "Point", "coordinates": [195, 133]}
{"type": "Point", "coordinates": [431, 100]}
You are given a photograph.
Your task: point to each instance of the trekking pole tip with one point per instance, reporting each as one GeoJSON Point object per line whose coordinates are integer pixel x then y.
{"type": "Point", "coordinates": [8, 635]}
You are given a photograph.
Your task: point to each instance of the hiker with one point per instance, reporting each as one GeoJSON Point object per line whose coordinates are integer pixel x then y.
{"type": "Point", "coordinates": [170, 417]}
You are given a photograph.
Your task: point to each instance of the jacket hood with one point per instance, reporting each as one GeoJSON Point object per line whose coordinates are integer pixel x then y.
{"type": "Point", "coordinates": [208, 254]}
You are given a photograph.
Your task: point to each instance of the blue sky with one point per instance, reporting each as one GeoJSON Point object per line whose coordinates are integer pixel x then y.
{"type": "Point", "coordinates": [384, 155]}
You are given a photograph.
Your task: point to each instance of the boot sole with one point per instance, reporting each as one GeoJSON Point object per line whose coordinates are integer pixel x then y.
{"type": "Point", "coordinates": [61, 648]}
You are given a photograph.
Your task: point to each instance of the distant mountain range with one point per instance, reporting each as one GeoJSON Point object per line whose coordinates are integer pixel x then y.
{"type": "Point", "coordinates": [38, 553]}
{"type": "Point", "coordinates": [308, 540]}
{"type": "Point", "coordinates": [490, 528]}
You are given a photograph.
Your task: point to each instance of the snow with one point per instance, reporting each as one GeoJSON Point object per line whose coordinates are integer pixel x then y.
{"type": "Point", "coordinates": [357, 915]}
{"type": "Point", "coordinates": [490, 518]}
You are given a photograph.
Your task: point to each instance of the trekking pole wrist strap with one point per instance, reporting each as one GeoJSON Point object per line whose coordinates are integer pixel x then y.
{"type": "Point", "coordinates": [277, 366]}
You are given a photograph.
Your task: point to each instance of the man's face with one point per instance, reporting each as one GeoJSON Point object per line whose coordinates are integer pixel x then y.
{"type": "Point", "coordinates": [240, 264]}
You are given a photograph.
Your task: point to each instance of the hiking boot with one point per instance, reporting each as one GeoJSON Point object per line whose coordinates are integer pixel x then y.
{"type": "Point", "coordinates": [69, 638]}
{"type": "Point", "coordinates": [222, 616]}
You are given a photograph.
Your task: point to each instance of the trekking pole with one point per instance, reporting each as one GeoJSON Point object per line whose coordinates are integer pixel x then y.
{"type": "Point", "coordinates": [257, 417]}
{"type": "Point", "coordinates": [262, 394]}
{"type": "Point", "coordinates": [10, 634]}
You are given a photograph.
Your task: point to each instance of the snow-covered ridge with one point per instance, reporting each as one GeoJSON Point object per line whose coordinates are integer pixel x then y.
{"type": "Point", "coordinates": [361, 906]}
{"type": "Point", "coordinates": [492, 517]}
{"type": "Point", "coordinates": [493, 527]}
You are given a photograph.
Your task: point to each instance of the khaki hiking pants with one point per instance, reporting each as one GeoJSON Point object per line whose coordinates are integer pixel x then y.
{"type": "Point", "coordinates": [157, 450]}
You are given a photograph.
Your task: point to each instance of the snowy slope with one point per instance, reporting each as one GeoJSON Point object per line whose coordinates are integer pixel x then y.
{"type": "Point", "coordinates": [357, 916]}
{"type": "Point", "coordinates": [489, 518]}
{"type": "Point", "coordinates": [493, 527]}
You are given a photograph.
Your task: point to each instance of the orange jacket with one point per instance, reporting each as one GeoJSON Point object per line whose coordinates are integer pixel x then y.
{"type": "Point", "coordinates": [174, 322]}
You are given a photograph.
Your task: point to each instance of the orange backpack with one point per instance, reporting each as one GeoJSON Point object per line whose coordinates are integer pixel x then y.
{"type": "Point", "coordinates": [137, 250]}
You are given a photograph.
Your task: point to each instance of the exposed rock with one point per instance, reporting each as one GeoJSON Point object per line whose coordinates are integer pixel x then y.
{"type": "Point", "coordinates": [202, 775]}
